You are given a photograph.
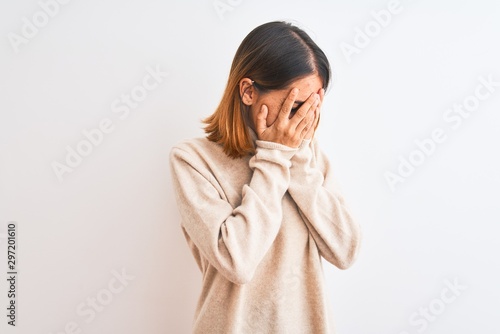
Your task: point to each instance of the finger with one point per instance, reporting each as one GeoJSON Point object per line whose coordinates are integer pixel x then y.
{"type": "Point", "coordinates": [287, 105]}
{"type": "Point", "coordinates": [305, 124]}
{"type": "Point", "coordinates": [311, 103]}
{"type": "Point", "coordinates": [316, 125]}
{"type": "Point", "coordinates": [318, 109]}
{"type": "Point", "coordinates": [321, 96]}
{"type": "Point", "coordinates": [261, 125]}
{"type": "Point", "coordinates": [312, 125]}
{"type": "Point", "coordinates": [316, 120]}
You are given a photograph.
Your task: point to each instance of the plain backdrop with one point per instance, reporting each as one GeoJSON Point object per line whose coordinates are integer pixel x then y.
{"type": "Point", "coordinates": [100, 249]}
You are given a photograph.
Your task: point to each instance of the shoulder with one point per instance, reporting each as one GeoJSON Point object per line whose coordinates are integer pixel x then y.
{"type": "Point", "coordinates": [195, 150]}
{"type": "Point", "coordinates": [189, 144]}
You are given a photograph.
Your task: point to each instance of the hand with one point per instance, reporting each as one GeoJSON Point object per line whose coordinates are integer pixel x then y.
{"type": "Point", "coordinates": [284, 130]}
{"type": "Point", "coordinates": [312, 130]}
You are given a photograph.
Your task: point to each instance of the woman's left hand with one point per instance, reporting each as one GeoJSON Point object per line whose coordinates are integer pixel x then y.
{"type": "Point", "coordinates": [310, 133]}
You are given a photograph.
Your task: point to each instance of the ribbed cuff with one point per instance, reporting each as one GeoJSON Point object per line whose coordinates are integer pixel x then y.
{"type": "Point", "coordinates": [270, 144]}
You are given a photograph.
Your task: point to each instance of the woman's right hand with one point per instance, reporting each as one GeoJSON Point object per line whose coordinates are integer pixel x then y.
{"type": "Point", "coordinates": [284, 130]}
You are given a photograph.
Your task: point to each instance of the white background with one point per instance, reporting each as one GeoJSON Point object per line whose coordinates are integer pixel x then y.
{"type": "Point", "coordinates": [116, 210]}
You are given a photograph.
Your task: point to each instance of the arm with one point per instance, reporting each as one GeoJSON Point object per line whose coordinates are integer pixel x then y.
{"type": "Point", "coordinates": [322, 206]}
{"type": "Point", "coordinates": [233, 240]}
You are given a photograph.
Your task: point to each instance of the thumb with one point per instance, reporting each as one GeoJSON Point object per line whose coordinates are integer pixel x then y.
{"type": "Point", "coordinates": [261, 125]}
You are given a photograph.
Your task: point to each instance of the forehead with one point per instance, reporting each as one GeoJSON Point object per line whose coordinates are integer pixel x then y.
{"type": "Point", "coordinates": [307, 86]}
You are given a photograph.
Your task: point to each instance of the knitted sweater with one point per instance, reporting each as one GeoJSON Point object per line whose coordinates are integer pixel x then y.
{"type": "Point", "coordinates": [257, 227]}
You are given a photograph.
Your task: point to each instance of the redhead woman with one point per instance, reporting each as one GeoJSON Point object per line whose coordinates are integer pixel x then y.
{"type": "Point", "coordinates": [259, 203]}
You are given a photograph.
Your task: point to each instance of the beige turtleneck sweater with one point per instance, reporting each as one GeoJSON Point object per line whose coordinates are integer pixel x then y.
{"type": "Point", "coordinates": [257, 227]}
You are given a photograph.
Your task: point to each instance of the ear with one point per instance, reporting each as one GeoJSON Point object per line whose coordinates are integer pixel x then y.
{"type": "Point", "coordinates": [248, 93]}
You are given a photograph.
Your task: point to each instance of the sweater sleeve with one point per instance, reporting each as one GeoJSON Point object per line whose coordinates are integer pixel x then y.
{"type": "Point", "coordinates": [322, 206]}
{"type": "Point", "coordinates": [233, 239]}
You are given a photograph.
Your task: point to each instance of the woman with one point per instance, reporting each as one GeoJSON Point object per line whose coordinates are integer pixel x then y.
{"type": "Point", "coordinates": [257, 196]}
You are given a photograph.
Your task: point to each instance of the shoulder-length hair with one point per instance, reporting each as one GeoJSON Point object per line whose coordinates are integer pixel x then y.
{"type": "Point", "coordinates": [273, 55]}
